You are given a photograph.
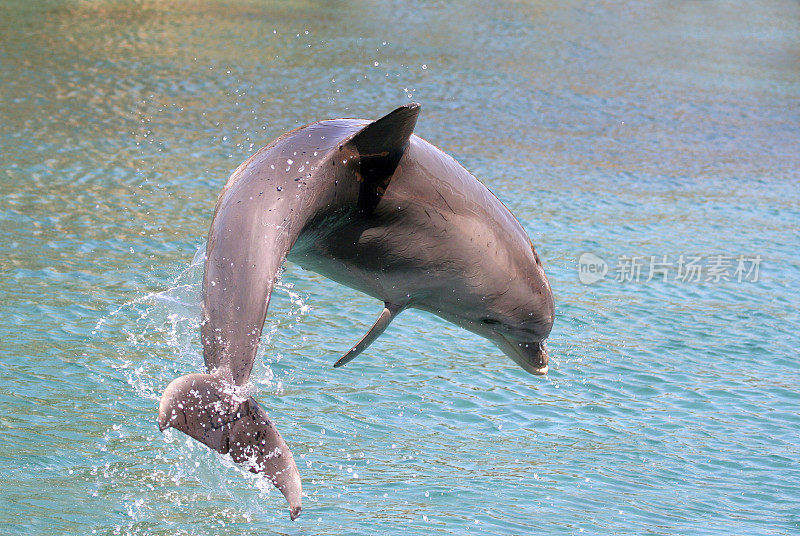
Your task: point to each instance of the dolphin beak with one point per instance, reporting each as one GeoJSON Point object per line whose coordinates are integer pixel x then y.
{"type": "Point", "coordinates": [537, 362]}
{"type": "Point", "coordinates": [543, 360]}
{"type": "Point", "coordinates": [533, 357]}
{"type": "Point", "coordinates": [164, 417]}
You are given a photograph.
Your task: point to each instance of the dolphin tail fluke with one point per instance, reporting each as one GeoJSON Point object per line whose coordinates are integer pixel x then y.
{"type": "Point", "coordinates": [387, 315]}
{"type": "Point", "coordinates": [207, 408]}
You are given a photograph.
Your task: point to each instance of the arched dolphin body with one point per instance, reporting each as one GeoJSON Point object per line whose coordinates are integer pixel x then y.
{"type": "Point", "coordinates": [374, 207]}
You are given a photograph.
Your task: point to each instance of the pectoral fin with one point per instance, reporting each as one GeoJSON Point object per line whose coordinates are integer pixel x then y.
{"type": "Point", "coordinates": [380, 325]}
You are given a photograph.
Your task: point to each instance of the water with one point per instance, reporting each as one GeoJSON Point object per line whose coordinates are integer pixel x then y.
{"type": "Point", "coordinates": [649, 128]}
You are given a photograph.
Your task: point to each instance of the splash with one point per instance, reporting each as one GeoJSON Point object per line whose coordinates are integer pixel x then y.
{"type": "Point", "coordinates": [155, 338]}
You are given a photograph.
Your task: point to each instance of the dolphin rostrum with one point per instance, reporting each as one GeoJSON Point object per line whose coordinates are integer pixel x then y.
{"type": "Point", "coordinates": [371, 206]}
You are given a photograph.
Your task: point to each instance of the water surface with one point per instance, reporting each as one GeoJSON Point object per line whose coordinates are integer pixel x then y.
{"type": "Point", "coordinates": [618, 129]}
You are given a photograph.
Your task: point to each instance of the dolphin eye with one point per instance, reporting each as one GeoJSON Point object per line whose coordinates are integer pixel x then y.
{"type": "Point", "coordinates": [489, 321]}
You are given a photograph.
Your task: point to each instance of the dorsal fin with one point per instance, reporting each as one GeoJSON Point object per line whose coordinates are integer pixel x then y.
{"type": "Point", "coordinates": [389, 134]}
{"type": "Point", "coordinates": [380, 146]}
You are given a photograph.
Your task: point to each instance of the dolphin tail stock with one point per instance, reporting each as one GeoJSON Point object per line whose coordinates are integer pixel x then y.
{"type": "Point", "coordinates": [207, 408]}
{"type": "Point", "coordinates": [390, 311]}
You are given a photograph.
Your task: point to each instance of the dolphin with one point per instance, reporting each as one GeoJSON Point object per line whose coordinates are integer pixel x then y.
{"type": "Point", "coordinates": [374, 207]}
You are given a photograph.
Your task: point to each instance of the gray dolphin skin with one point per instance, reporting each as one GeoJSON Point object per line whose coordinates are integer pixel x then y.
{"type": "Point", "coordinates": [376, 208]}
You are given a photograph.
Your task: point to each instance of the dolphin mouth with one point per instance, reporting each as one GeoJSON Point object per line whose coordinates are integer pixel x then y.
{"type": "Point", "coordinates": [532, 357]}
{"type": "Point", "coordinates": [541, 371]}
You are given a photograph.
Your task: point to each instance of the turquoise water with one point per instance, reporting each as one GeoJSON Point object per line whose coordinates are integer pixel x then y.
{"type": "Point", "coordinates": [636, 130]}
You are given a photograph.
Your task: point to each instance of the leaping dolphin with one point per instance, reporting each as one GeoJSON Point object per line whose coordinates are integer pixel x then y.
{"type": "Point", "coordinates": [374, 207]}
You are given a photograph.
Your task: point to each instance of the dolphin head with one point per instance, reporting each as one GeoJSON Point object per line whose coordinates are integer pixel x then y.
{"type": "Point", "coordinates": [518, 324]}
{"type": "Point", "coordinates": [527, 314]}
{"type": "Point", "coordinates": [510, 304]}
